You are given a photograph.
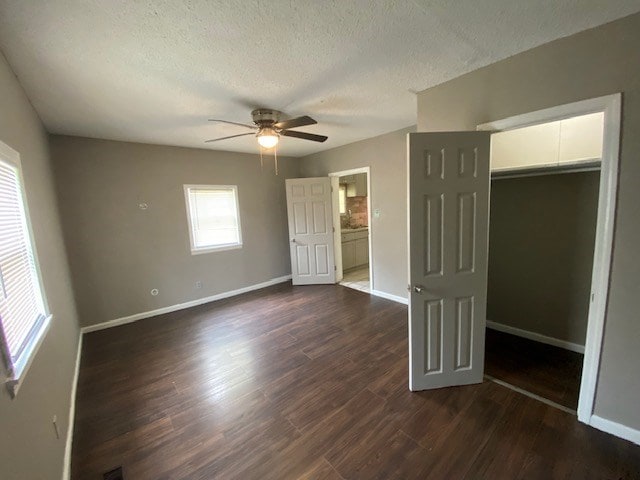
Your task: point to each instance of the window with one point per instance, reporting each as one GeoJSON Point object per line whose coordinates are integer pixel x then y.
{"type": "Point", "coordinates": [342, 199]}
{"type": "Point", "coordinates": [23, 310]}
{"type": "Point", "coordinates": [214, 219]}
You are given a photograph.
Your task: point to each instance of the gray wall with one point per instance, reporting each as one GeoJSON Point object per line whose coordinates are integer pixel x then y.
{"type": "Point", "coordinates": [387, 157]}
{"type": "Point", "coordinates": [118, 252]}
{"type": "Point", "coordinates": [542, 232]}
{"type": "Point", "coordinates": [596, 62]}
{"type": "Point", "coordinates": [28, 445]}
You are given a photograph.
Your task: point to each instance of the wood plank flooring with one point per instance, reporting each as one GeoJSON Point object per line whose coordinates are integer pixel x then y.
{"type": "Point", "coordinates": [308, 383]}
{"type": "Point", "coordinates": [550, 372]}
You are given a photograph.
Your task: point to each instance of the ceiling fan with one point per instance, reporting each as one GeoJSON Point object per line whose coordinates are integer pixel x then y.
{"type": "Point", "coordinates": [270, 128]}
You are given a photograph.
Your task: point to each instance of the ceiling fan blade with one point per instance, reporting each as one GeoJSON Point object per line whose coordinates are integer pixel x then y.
{"type": "Point", "coordinates": [225, 138]}
{"type": "Point", "coordinates": [303, 135]}
{"type": "Point", "coordinates": [253, 127]}
{"type": "Point", "coordinates": [296, 122]}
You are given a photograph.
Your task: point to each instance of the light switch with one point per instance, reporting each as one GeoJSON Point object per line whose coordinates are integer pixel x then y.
{"type": "Point", "coordinates": [376, 213]}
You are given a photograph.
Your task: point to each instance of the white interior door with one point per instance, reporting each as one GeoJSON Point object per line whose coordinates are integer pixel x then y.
{"type": "Point", "coordinates": [310, 230]}
{"type": "Point", "coordinates": [448, 233]}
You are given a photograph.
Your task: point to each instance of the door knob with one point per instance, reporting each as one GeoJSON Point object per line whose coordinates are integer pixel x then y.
{"type": "Point", "coordinates": [418, 288]}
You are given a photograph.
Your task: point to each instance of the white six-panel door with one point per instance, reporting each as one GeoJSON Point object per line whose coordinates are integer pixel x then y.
{"type": "Point", "coordinates": [310, 230]}
{"type": "Point", "coordinates": [448, 183]}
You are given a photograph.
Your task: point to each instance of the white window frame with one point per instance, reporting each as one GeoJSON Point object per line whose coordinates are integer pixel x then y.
{"type": "Point", "coordinates": [16, 371]}
{"type": "Point", "coordinates": [217, 248]}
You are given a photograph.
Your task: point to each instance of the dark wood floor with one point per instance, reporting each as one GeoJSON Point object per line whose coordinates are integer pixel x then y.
{"type": "Point", "coordinates": [550, 372]}
{"type": "Point", "coordinates": [308, 382]}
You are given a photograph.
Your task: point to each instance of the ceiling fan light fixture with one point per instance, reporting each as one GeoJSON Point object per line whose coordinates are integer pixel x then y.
{"type": "Point", "coordinates": [268, 137]}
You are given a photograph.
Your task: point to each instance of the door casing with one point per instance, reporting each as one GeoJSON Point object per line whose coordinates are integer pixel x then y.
{"type": "Point", "coordinates": [336, 215]}
{"type": "Point", "coordinates": [611, 105]}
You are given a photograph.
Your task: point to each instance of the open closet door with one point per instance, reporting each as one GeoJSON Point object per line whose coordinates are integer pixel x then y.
{"type": "Point", "coordinates": [448, 184]}
{"type": "Point", "coordinates": [310, 230]}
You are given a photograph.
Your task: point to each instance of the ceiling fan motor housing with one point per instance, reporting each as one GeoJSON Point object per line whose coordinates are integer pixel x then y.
{"type": "Point", "coordinates": [264, 117]}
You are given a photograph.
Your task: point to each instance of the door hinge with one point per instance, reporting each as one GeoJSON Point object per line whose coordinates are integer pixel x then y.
{"type": "Point", "coordinates": [335, 268]}
{"type": "Point", "coordinates": [334, 229]}
{"type": "Point", "coordinates": [408, 288]}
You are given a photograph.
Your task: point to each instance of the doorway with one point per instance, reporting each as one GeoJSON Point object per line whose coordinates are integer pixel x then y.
{"type": "Point", "coordinates": [543, 207]}
{"type": "Point", "coordinates": [552, 362]}
{"type": "Point", "coordinates": [352, 228]}
{"type": "Point", "coordinates": [448, 208]}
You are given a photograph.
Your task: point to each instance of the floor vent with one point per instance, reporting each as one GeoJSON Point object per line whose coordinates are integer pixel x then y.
{"type": "Point", "coordinates": [115, 474]}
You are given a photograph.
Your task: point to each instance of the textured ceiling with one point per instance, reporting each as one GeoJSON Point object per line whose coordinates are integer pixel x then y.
{"type": "Point", "coordinates": [154, 71]}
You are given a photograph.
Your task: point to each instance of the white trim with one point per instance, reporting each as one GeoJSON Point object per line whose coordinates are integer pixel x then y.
{"type": "Point", "coordinates": [221, 248]}
{"type": "Point", "coordinates": [351, 171]}
{"type": "Point", "coordinates": [66, 469]}
{"type": "Point", "coordinates": [181, 306]}
{"type": "Point", "coordinates": [602, 254]}
{"type": "Point", "coordinates": [337, 231]}
{"type": "Point", "coordinates": [538, 337]}
{"type": "Point", "coordinates": [560, 112]}
{"type": "Point", "coordinates": [354, 171]}
{"type": "Point", "coordinates": [14, 382]}
{"type": "Point", "coordinates": [611, 105]}
{"type": "Point", "coordinates": [389, 296]}
{"type": "Point", "coordinates": [9, 153]}
{"type": "Point", "coordinates": [18, 371]}
{"type": "Point", "coordinates": [615, 428]}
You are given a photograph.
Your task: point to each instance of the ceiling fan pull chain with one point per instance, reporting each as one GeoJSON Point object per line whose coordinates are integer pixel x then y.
{"type": "Point", "coordinates": [261, 162]}
{"type": "Point", "coordinates": [275, 156]}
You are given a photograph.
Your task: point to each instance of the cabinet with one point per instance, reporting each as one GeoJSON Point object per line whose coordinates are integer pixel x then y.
{"type": "Point", "coordinates": [528, 147]}
{"type": "Point", "coordinates": [356, 184]}
{"type": "Point", "coordinates": [348, 255]}
{"type": "Point", "coordinates": [551, 144]}
{"type": "Point", "coordinates": [355, 249]}
{"type": "Point", "coordinates": [581, 138]}
{"type": "Point", "coordinates": [362, 251]}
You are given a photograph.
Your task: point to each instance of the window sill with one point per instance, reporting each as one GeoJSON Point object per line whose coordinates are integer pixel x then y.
{"type": "Point", "coordinates": [22, 367]}
{"type": "Point", "coordinates": [221, 248]}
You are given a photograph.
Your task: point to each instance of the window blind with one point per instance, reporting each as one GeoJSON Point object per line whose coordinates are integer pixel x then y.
{"type": "Point", "coordinates": [22, 309]}
{"type": "Point", "coordinates": [213, 217]}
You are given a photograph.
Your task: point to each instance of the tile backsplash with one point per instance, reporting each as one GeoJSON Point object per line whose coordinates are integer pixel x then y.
{"type": "Point", "coordinates": [359, 214]}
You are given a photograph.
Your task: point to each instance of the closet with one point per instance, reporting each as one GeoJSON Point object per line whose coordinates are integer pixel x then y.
{"type": "Point", "coordinates": [543, 214]}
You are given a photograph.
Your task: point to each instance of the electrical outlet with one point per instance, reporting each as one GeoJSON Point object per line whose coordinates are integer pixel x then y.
{"type": "Point", "coordinates": [155, 292]}
{"type": "Point", "coordinates": [198, 285]}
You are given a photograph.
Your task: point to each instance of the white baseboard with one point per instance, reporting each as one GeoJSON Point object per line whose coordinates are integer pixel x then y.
{"type": "Point", "coordinates": [181, 306]}
{"type": "Point", "coordinates": [66, 469]}
{"type": "Point", "coordinates": [615, 428]}
{"type": "Point", "coordinates": [574, 347]}
{"type": "Point", "coordinates": [389, 296]}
